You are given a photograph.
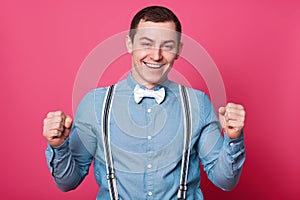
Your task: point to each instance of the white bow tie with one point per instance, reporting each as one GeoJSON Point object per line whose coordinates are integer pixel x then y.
{"type": "Point", "coordinates": [140, 93]}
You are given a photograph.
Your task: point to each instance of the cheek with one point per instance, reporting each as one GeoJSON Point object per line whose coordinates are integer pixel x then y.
{"type": "Point", "coordinates": [139, 55]}
{"type": "Point", "coordinates": [170, 57]}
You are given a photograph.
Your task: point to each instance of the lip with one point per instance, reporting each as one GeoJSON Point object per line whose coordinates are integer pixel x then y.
{"type": "Point", "coordinates": [153, 65]}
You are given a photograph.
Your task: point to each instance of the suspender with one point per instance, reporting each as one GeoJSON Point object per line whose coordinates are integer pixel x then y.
{"type": "Point", "coordinates": [187, 141]}
{"type": "Point", "coordinates": [110, 176]}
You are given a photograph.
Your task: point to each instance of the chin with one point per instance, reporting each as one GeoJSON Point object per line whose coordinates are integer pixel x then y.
{"type": "Point", "coordinates": [154, 81]}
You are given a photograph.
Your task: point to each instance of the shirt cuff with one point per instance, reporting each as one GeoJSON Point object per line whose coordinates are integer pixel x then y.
{"type": "Point", "coordinates": [62, 149]}
{"type": "Point", "coordinates": [235, 150]}
{"type": "Point", "coordinates": [234, 145]}
{"type": "Point", "coordinates": [53, 154]}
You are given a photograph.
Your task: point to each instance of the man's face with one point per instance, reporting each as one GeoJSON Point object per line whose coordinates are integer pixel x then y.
{"type": "Point", "coordinates": [154, 49]}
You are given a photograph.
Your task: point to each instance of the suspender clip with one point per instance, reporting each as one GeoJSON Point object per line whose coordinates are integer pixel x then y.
{"type": "Point", "coordinates": [110, 176]}
{"type": "Point", "coordinates": [182, 187]}
{"type": "Point", "coordinates": [181, 195]}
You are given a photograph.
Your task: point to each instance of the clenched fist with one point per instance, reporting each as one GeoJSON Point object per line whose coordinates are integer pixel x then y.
{"type": "Point", "coordinates": [57, 127]}
{"type": "Point", "coordinates": [232, 118]}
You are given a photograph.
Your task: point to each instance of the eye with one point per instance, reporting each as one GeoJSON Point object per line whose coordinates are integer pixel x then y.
{"type": "Point", "coordinates": [167, 47]}
{"type": "Point", "coordinates": [146, 44]}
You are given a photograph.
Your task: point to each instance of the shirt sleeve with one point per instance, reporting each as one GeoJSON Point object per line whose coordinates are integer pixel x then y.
{"type": "Point", "coordinates": [221, 157]}
{"type": "Point", "coordinates": [69, 163]}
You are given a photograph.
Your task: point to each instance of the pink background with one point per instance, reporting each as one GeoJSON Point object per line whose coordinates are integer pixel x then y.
{"type": "Point", "coordinates": [255, 45]}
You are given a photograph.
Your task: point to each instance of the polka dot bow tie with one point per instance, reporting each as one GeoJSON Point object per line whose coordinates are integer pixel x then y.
{"type": "Point", "coordinates": [140, 93]}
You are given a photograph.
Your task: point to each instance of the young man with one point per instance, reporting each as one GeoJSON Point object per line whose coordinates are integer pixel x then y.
{"type": "Point", "coordinates": [156, 131]}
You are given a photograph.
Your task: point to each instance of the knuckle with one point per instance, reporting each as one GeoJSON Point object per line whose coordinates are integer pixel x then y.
{"type": "Point", "coordinates": [243, 113]}
{"type": "Point", "coordinates": [229, 114]}
{"type": "Point", "coordinates": [230, 104]}
{"type": "Point", "coordinates": [57, 125]}
{"type": "Point", "coordinates": [49, 114]}
{"type": "Point", "coordinates": [54, 132]}
{"type": "Point", "coordinates": [60, 113]}
{"type": "Point", "coordinates": [228, 111]}
{"type": "Point", "coordinates": [59, 119]}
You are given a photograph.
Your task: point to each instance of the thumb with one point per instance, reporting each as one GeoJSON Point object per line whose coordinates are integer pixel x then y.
{"type": "Point", "coordinates": [222, 110]}
{"type": "Point", "coordinates": [68, 122]}
{"type": "Point", "coordinates": [67, 126]}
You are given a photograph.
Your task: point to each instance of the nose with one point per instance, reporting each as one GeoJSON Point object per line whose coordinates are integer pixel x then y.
{"type": "Point", "coordinates": [156, 54]}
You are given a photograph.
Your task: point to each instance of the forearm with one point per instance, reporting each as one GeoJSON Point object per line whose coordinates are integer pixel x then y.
{"type": "Point", "coordinates": [66, 172]}
{"type": "Point", "coordinates": [226, 170]}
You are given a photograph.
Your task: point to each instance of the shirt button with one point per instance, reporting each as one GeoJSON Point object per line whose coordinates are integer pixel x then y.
{"type": "Point", "coordinates": [149, 166]}
{"type": "Point", "coordinates": [149, 193]}
{"type": "Point", "coordinates": [149, 137]}
{"type": "Point", "coordinates": [231, 144]}
{"type": "Point", "coordinates": [149, 110]}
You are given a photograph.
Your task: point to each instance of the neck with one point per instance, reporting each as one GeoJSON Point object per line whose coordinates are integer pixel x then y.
{"type": "Point", "coordinates": [146, 84]}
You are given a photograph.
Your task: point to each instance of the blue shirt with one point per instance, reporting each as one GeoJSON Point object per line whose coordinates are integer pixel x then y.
{"type": "Point", "coordinates": [147, 142]}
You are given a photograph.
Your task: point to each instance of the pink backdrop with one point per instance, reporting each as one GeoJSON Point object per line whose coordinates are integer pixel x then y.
{"type": "Point", "coordinates": [255, 45]}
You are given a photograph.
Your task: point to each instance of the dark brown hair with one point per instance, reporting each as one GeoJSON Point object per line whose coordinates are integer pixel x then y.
{"type": "Point", "coordinates": [154, 14]}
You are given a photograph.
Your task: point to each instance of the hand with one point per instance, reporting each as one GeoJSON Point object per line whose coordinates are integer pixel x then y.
{"type": "Point", "coordinates": [57, 127]}
{"type": "Point", "coordinates": [232, 118]}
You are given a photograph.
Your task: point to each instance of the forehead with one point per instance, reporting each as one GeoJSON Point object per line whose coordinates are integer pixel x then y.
{"type": "Point", "coordinates": [156, 30]}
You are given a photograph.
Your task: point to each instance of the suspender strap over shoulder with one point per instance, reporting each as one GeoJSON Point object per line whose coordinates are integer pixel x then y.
{"type": "Point", "coordinates": [187, 117]}
{"type": "Point", "coordinates": [111, 178]}
{"type": "Point", "coordinates": [110, 175]}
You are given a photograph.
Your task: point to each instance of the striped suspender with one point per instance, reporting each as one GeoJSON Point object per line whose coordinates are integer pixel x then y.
{"type": "Point", "coordinates": [187, 141]}
{"type": "Point", "coordinates": [111, 178]}
{"type": "Point", "coordinates": [110, 175]}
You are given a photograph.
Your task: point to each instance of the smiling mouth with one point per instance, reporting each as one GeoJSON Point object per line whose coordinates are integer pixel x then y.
{"type": "Point", "coordinates": [153, 66]}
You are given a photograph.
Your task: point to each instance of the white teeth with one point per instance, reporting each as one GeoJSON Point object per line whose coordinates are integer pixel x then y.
{"type": "Point", "coordinates": [153, 65]}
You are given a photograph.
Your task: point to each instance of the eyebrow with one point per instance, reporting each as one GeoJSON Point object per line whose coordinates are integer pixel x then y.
{"type": "Point", "coordinates": [164, 42]}
{"type": "Point", "coordinates": [145, 38]}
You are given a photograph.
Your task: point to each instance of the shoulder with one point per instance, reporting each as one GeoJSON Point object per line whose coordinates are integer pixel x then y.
{"type": "Point", "coordinates": [93, 94]}
{"type": "Point", "coordinates": [91, 100]}
{"type": "Point", "coordinates": [195, 95]}
{"type": "Point", "coordinates": [199, 95]}
{"type": "Point", "coordinates": [199, 100]}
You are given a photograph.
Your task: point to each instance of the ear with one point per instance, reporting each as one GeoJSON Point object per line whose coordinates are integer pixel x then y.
{"type": "Point", "coordinates": [128, 44]}
{"type": "Point", "coordinates": [180, 46]}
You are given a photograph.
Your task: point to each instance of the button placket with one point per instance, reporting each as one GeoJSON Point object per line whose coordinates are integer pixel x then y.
{"type": "Point", "coordinates": [149, 165]}
{"type": "Point", "coordinates": [149, 111]}
{"type": "Point", "coordinates": [150, 179]}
